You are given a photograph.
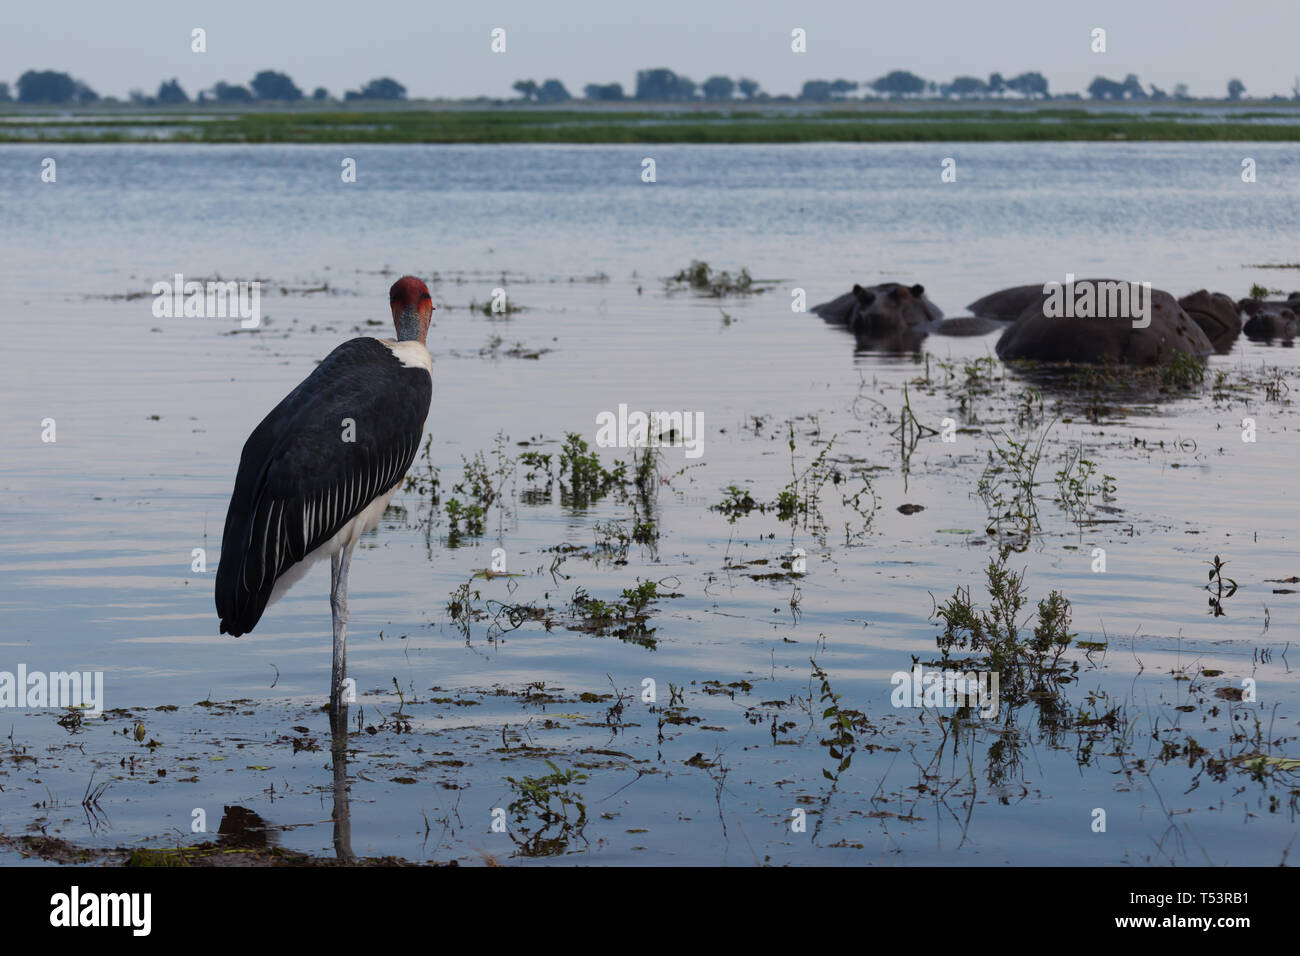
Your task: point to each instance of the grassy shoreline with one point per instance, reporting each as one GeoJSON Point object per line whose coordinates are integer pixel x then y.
{"type": "Point", "coordinates": [589, 126]}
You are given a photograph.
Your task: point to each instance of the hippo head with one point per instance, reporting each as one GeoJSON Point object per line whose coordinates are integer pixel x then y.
{"type": "Point", "coordinates": [891, 307]}
{"type": "Point", "coordinates": [1271, 322]}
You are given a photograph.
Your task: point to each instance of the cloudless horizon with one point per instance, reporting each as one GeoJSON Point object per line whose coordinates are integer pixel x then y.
{"type": "Point", "coordinates": [443, 50]}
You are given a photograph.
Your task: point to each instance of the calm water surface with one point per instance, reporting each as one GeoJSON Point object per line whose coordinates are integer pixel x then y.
{"type": "Point", "coordinates": [97, 530]}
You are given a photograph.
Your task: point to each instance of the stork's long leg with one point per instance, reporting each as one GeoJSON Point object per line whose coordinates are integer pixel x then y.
{"type": "Point", "coordinates": [339, 565]}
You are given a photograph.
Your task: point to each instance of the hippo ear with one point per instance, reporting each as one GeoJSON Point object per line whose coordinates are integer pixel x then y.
{"type": "Point", "coordinates": [863, 296]}
{"type": "Point", "coordinates": [918, 290]}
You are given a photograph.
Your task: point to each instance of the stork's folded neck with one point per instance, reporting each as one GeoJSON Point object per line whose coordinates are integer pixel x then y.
{"type": "Point", "coordinates": [408, 326]}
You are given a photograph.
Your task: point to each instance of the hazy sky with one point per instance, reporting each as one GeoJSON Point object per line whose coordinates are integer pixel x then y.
{"type": "Point", "coordinates": [442, 49]}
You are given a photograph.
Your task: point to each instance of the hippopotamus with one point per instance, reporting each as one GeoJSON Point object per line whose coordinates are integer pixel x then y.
{"type": "Point", "coordinates": [1005, 305]}
{"type": "Point", "coordinates": [1268, 320]}
{"type": "Point", "coordinates": [1217, 315]}
{"type": "Point", "coordinates": [1044, 332]}
{"type": "Point", "coordinates": [895, 316]}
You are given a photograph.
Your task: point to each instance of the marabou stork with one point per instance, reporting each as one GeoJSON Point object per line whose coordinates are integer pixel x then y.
{"type": "Point", "coordinates": [321, 468]}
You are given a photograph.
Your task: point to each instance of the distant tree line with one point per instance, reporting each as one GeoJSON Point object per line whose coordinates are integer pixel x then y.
{"type": "Point", "coordinates": [659, 85]}
{"type": "Point", "coordinates": [1131, 88]}
{"type": "Point", "coordinates": [48, 87]}
{"type": "Point", "coordinates": [664, 86]}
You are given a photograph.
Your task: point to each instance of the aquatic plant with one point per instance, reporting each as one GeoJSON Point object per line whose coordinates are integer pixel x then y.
{"type": "Point", "coordinates": [1217, 579]}
{"type": "Point", "coordinates": [545, 803]}
{"type": "Point", "coordinates": [424, 480]}
{"type": "Point", "coordinates": [483, 488]}
{"type": "Point", "coordinates": [1258, 291]}
{"type": "Point", "coordinates": [994, 637]}
{"type": "Point", "coordinates": [1077, 487]}
{"type": "Point", "coordinates": [1007, 485]}
{"type": "Point", "coordinates": [462, 607]}
{"type": "Point", "coordinates": [1182, 371]}
{"type": "Point", "coordinates": [700, 278]}
{"type": "Point", "coordinates": [799, 502]}
{"type": "Point", "coordinates": [843, 725]}
{"type": "Point", "coordinates": [800, 499]}
{"type": "Point", "coordinates": [980, 377]}
{"type": "Point", "coordinates": [583, 477]}
{"type": "Point", "coordinates": [463, 519]}
{"type": "Point", "coordinates": [507, 309]}
{"type": "Point", "coordinates": [625, 619]}
{"type": "Point", "coordinates": [736, 503]}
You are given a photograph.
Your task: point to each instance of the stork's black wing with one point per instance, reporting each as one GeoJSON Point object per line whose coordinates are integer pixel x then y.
{"type": "Point", "coordinates": [301, 480]}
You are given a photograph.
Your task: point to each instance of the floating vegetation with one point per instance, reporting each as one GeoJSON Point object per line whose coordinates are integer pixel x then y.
{"type": "Point", "coordinates": [498, 307]}
{"type": "Point", "coordinates": [547, 811]}
{"type": "Point", "coordinates": [583, 478]}
{"type": "Point", "coordinates": [625, 619]}
{"type": "Point", "coordinates": [482, 488]}
{"type": "Point", "coordinates": [464, 520]}
{"type": "Point", "coordinates": [843, 726]}
{"type": "Point", "coordinates": [992, 639]}
{"type": "Point", "coordinates": [799, 503]}
{"type": "Point", "coordinates": [1217, 586]}
{"type": "Point", "coordinates": [1182, 371]}
{"type": "Point", "coordinates": [738, 502]}
{"type": "Point", "coordinates": [909, 432]}
{"type": "Point", "coordinates": [423, 478]}
{"type": "Point", "coordinates": [976, 379]}
{"type": "Point", "coordinates": [1007, 486]}
{"type": "Point", "coordinates": [1078, 488]}
{"type": "Point", "coordinates": [699, 277]}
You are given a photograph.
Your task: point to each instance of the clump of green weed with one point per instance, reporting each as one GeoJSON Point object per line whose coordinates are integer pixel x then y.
{"type": "Point", "coordinates": [700, 277]}
{"type": "Point", "coordinates": [536, 464]}
{"type": "Point", "coordinates": [584, 478]}
{"type": "Point", "coordinates": [424, 480]}
{"type": "Point", "coordinates": [843, 726]}
{"type": "Point", "coordinates": [737, 502]}
{"type": "Point", "coordinates": [463, 608]}
{"type": "Point", "coordinates": [1217, 579]}
{"type": "Point", "coordinates": [483, 487]}
{"type": "Point", "coordinates": [1077, 485]}
{"type": "Point", "coordinates": [496, 308]}
{"type": "Point", "coordinates": [1182, 371]}
{"type": "Point", "coordinates": [1007, 485]}
{"type": "Point", "coordinates": [799, 502]}
{"type": "Point", "coordinates": [464, 520]}
{"type": "Point", "coordinates": [548, 811]}
{"type": "Point", "coordinates": [625, 619]}
{"type": "Point", "coordinates": [995, 637]}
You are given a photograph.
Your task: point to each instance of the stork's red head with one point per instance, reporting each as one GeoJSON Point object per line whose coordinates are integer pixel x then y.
{"type": "Point", "coordinates": [412, 309]}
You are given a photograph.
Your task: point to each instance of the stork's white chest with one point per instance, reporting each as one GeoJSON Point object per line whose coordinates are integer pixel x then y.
{"type": "Point", "coordinates": [411, 354]}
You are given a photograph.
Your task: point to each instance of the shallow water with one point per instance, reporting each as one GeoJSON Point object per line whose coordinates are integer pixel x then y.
{"type": "Point", "coordinates": [97, 529]}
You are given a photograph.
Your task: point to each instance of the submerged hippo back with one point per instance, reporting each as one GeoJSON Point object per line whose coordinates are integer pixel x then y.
{"type": "Point", "coordinates": [1042, 334]}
